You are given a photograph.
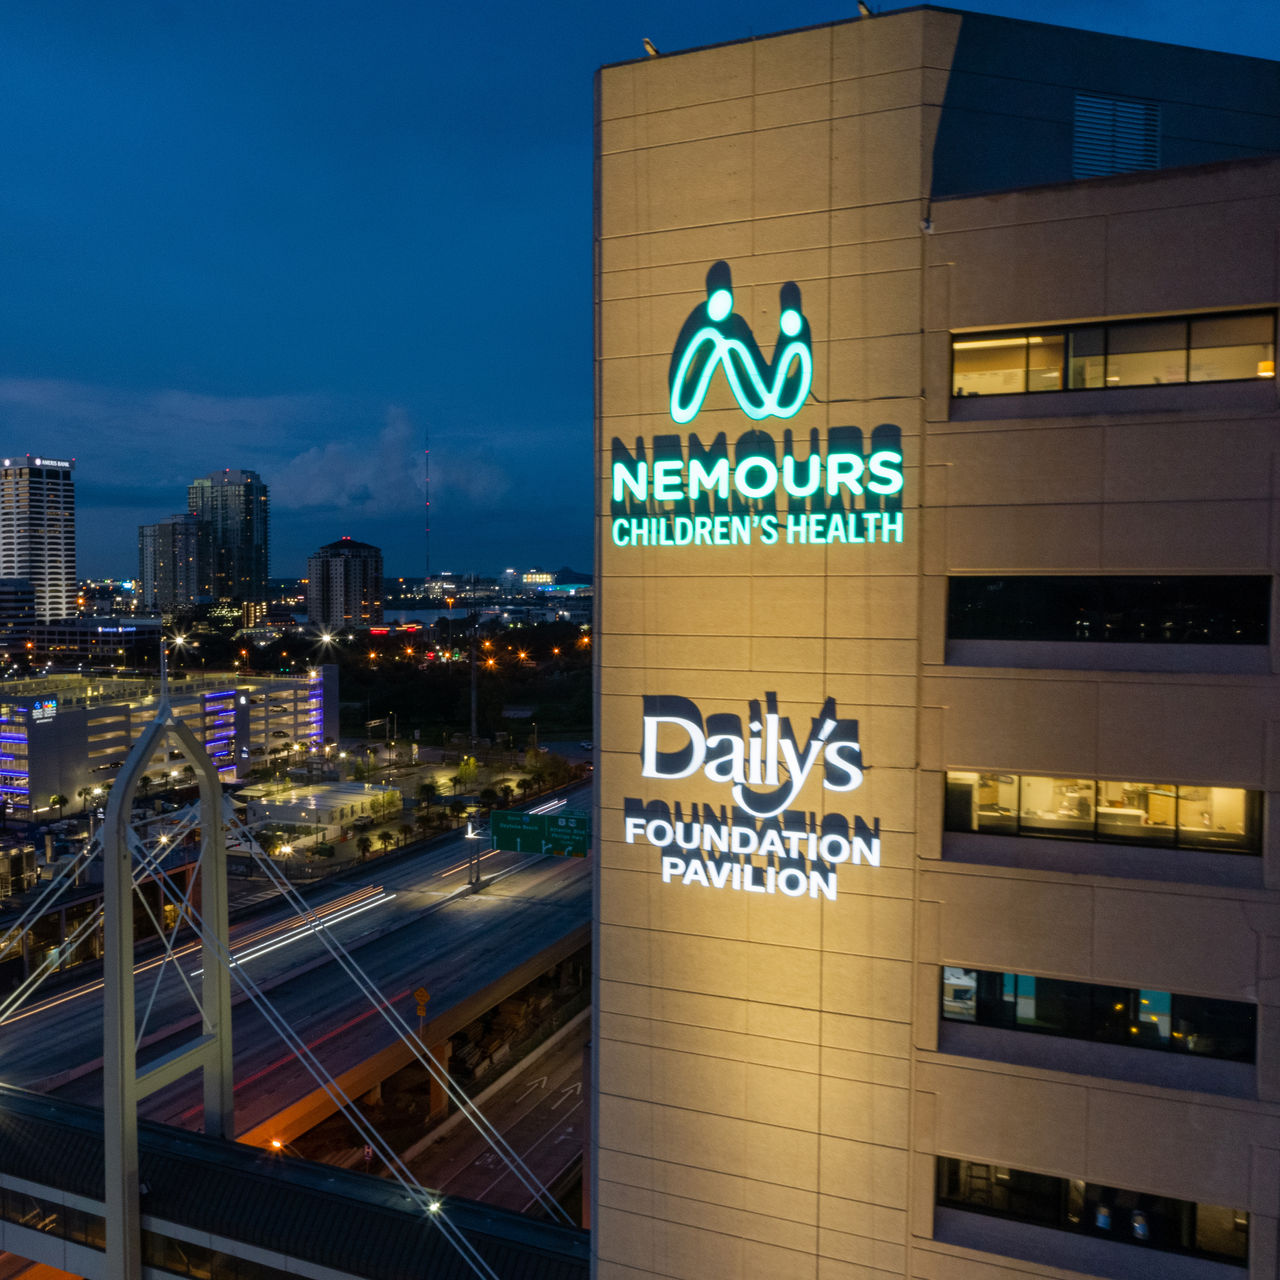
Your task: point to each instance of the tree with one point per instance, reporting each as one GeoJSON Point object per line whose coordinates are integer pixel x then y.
{"type": "Point", "coordinates": [489, 798]}
{"type": "Point", "coordinates": [457, 808]}
{"type": "Point", "coordinates": [525, 785]}
{"type": "Point", "coordinates": [144, 787]}
{"type": "Point", "coordinates": [422, 821]}
{"type": "Point", "coordinates": [363, 846]}
{"type": "Point", "coordinates": [508, 793]}
{"type": "Point", "coordinates": [405, 832]}
{"type": "Point", "coordinates": [468, 771]}
{"type": "Point", "coordinates": [386, 840]}
{"type": "Point", "coordinates": [59, 801]}
{"type": "Point", "coordinates": [83, 796]}
{"type": "Point", "coordinates": [428, 793]}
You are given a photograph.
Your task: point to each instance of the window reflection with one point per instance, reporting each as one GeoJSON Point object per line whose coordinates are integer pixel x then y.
{"type": "Point", "coordinates": [1125, 353]}
{"type": "Point", "coordinates": [1226, 819]}
{"type": "Point", "coordinates": [1139, 1018]}
{"type": "Point", "coordinates": [1137, 1218]}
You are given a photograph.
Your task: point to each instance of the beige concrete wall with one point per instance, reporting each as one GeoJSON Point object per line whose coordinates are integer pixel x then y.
{"type": "Point", "coordinates": [754, 1053]}
{"type": "Point", "coordinates": [770, 1094]}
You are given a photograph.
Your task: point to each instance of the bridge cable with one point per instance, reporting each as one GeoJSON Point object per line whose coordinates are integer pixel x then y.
{"type": "Point", "coordinates": [405, 1034]}
{"type": "Point", "coordinates": [432, 1207]}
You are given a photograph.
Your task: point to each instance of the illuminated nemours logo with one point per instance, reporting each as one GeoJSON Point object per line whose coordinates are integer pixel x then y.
{"type": "Point", "coordinates": [821, 485]}
{"type": "Point", "coordinates": [754, 838]}
{"type": "Point", "coordinates": [715, 337]}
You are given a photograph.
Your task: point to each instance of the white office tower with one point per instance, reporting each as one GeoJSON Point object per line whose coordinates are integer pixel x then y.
{"type": "Point", "coordinates": [38, 531]}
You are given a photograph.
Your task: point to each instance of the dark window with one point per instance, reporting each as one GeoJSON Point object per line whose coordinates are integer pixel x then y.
{"type": "Point", "coordinates": [1086, 1208]}
{"type": "Point", "coordinates": [1187, 609]}
{"type": "Point", "coordinates": [1230, 347]}
{"type": "Point", "coordinates": [1213, 819]}
{"type": "Point", "coordinates": [1142, 1019]}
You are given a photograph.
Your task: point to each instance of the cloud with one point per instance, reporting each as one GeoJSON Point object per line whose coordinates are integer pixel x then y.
{"type": "Point", "coordinates": [169, 436]}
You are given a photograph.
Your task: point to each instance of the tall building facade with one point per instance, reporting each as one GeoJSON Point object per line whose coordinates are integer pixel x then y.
{"type": "Point", "coordinates": [235, 506]}
{"type": "Point", "coordinates": [38, 531]}
{"type": "Point", "coordinates": [938, 885]}
{"type": "Point", "coordinates": [344, 585]}
{"type": "Point", "coordinates": [175, 562]}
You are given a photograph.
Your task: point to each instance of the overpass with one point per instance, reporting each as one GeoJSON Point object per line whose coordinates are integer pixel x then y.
{"type": "Point", "coordinates": [470, 951]}
{"type": "Point", "coordinates": [224, 1211]}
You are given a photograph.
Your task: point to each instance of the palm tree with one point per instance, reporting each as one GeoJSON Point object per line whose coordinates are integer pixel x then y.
{"type": "Point", "coordinates": [386, 840]}
{"type": "Point", "coordinates": [457, 808]}
{"type": "Point", "coordinates": [58, 800]}
{"type": "Point", "coordinates": [144, 786]}
{"type": "Point", "coordinates": [83, 796]}
{"type": "Point", "coordinates": [422, 821]}
{"type": "Point", "coordinates": [363, 846]}
{"type": "Point", "coordinates": [525, 785]}
{"type": "Point", "coordinates": [428, 793]}
{"type": "Point", "coordinates": [508, 793]}
{"type": "Point", "coordinates": [405, 832]}
{"type": "Point", "coordinates": [489, 797]}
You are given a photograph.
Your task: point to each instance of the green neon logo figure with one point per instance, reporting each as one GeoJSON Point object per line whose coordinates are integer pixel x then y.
{"type": "Point", "coordinates": [713, 337]}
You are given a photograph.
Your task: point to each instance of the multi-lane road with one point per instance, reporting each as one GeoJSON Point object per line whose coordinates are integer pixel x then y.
{"type": "Point", "coordinates": [407, 926]}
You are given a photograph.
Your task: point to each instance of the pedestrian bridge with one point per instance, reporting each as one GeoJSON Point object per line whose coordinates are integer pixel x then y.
{"type": "Point", "coordinates": [213, 1210]}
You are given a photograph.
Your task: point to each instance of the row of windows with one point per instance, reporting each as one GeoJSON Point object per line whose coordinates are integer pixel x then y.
{"type": "Point", "coordinates": [1217, 819]}
{"type": "Point", "coordinates": [1110, 1213]}
{"type": "Point", "coordinates": [1123, 353]}
{"type": "Point", "coordinates": [1161, 1020]}
{"type": "Point", "coordinates": [1204, 609]}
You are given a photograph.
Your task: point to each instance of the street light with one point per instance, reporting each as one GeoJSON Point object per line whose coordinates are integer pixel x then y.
{"type": "Point", "coordinates": [473, 868]}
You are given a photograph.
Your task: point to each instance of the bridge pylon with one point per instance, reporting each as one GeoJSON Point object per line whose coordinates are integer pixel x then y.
{"type": "Point", "coordinates": [124, 851]}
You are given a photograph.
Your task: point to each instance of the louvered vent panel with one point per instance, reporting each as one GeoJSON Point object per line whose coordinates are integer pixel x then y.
{"type": "Point", "coordinates": [1114, 135]}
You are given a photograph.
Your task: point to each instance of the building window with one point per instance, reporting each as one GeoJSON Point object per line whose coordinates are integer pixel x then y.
{"type": "Point", "coordinates": [1110, 1213]}
{"type": "Point", "coordinates": [1231, 347]}
{"type": "Point", "coordinates": [1142, 1019]}
{"type": "Point", "coordinates": [1204, 609]}
{"type": "Point", "coordinates": [1216, 819]}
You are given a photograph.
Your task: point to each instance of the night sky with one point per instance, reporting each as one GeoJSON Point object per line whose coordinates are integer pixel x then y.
{"type": "Point", "coordinates": [295, 237]}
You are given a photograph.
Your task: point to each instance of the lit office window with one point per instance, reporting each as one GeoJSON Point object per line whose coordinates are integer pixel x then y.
{"type": "Point", "coordinates": [1129, 1217]}
{"type": "Point", "coordinates": [1215, 819]}
{"type": "Point", "coordinates": [1137, 1018]}
{"type": "Point", "coordinates": [1231, 347]}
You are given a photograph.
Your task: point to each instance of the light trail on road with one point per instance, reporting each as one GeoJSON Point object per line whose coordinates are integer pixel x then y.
{"type": "Point", "coordinates": [309, 925]}
{"type": "Point", "coordinates": [350, 902]}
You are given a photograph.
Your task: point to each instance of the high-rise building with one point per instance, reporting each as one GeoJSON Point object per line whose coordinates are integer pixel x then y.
{"type": "Point", "coordinates": [344, 585]}
{"type": "Point", "coordinates": [938, 862]}
{"type": "Point", "coordinates": [235, 506]}
{"type": "Point", "coordinates": [38, 531]}
{"type": "Point", "coordinates": [175, 562]}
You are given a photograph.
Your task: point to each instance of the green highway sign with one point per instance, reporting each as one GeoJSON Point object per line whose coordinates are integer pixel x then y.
{"type": "Point", "coordinates": [567, 832]}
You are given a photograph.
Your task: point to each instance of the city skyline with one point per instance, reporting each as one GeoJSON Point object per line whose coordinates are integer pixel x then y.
{"type": "Point", "coordinates": [234, 243]}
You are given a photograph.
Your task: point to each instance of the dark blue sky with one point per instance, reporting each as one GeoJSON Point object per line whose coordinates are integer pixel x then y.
{"type": "Point", "coordinates": [295, 237]}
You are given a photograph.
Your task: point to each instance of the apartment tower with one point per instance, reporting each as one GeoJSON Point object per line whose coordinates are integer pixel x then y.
{"type": "Point", "coordinates": [344, 585]}
{"type": "Point", "coordinates": [234, 505]}
{"type": "Point", "coordinates": [938, 877]}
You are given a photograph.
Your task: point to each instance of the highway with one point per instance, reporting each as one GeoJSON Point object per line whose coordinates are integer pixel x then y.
{"type": "Point", "coordinates": [541, 1111]}
{"type": "Point", "coordinates": [399, 922]}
